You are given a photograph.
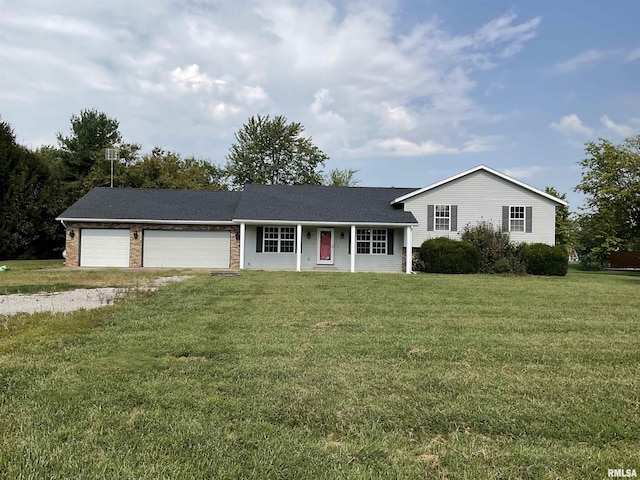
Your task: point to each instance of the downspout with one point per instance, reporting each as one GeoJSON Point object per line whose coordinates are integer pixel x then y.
{"type": "Point", "coordinates": [64, 251]}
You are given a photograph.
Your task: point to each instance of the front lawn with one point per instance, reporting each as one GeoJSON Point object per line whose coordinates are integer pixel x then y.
{"type": "Point", "coordinates": [330, 375]}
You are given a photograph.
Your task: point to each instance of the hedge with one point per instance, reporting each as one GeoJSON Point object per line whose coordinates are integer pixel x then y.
{"type": "Point", "coordinates": [443, 255]}
{"type": "Point", "coordinates": [543, 259]}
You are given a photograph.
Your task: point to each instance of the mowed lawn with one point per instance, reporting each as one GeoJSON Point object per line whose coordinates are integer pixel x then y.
{"type": "Point", "coordinates": [328, 375]}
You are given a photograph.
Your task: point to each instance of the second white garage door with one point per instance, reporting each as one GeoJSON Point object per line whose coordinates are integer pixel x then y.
{"type": "Point", "coordinates": [176, 248]}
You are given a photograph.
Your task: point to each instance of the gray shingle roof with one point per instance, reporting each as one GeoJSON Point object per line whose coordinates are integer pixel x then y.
{"type": "Point", "coordinates": [322, 204]}
{"type": "Point", "coordinates": [256, 202]}
{"type": "Point", "coordinates": [154, 204]}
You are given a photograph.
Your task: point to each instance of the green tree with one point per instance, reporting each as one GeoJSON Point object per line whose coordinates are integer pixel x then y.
{"type": "Point", "coordinates": [91, 132]}
{"type": "Point", "coordinates": [158, 169]}
{"type": "Point", "coordinates": [30, 198]}
{"type": "Point", "coordinates": [274, 152]}
{"type": "Point", "coordinates": [611, 183]}
{"type": "Point", "coordinates": [565, 225]}
{"type": "Point", "coordinates": [341, 178]}
{"type": "Point", "coordinates": [162, 169]}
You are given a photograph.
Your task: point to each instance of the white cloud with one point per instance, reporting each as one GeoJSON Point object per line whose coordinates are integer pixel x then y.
{"type": "Point", "coordinates": [406, 148]}
{"type": "Point", "coordinates": [56, 24]}
{"type": "Point", "coordinates": [400, 118]}
{"type": "Point", "coordinates": [398, 146]}
{"type": "Point", "coordinates": [571, 125]}
{"type": "Point", "coordinates": [618, 129]}
{"type": "Point", "coordinates": [634, 54]}
{"type": "Point", "coordinates": [321, 101]}
{"type": "Point", "coordinates": [523, 173]}
{"type": "Point", "coordinates": [484, 143]}
{"type": "Point", "coordinates": [353, 73]}
{"type": "Point", "coordinates": [503, 30]}
{"type": "Point", "coordinates": [593, 56]}
{"type": "Point", "coordinates": [190, 79]}
{"type": "Point", "coordinates": [223, 110]}
{"type": "Point", "coordinates": [582, 60]}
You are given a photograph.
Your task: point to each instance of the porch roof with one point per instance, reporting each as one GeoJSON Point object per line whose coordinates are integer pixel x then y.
{"type": "Point", "coordinates": [312, 204]}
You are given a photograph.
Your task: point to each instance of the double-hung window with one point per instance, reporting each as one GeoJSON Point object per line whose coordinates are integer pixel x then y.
{"type": "Point", "coordinates": [371, 241]}
{"type": "Point", "coordinates": [442, 217]}
{"type": "Point", "coordinates": [516, 219]}
{"type": "Point", "coordinates": [279, 239]}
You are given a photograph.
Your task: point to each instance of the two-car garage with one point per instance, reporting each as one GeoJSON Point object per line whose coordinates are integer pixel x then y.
{"type": "Point", "coordinates": [112, 247]}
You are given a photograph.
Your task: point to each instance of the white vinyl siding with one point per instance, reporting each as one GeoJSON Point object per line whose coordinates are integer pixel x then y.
{"type": "Point", "coordinates": [480, 196]}
{"type": "Point", "coordinates": [186, 249]}
{"type": "Point", "coordinates": [104, 247]}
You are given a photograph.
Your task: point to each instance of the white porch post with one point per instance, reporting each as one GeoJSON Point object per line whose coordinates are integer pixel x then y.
{"type": "Point", "coordinates": [353, 248]}
{"type": "Point", "coordinates": [408, 235]}
{"type": "Point", "coordinates": [242, 237]}
{"type": "Point", "coordinates": [299, 248]}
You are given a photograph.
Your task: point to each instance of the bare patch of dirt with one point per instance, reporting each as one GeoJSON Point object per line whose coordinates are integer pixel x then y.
{"type": "Point", "coordinates": [82, 298]}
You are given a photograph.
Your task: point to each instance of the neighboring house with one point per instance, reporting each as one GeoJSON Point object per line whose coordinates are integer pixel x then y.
{"type": "Point", "coordinates": [297, 227]}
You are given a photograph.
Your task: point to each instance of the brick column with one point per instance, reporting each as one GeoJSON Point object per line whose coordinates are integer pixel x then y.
{"type": "Point", "coordinates": [234, 254]}
{"type": "Point", "coordinates": [135, 247]}
{"type": "Point", "coordinates": [72, 246]}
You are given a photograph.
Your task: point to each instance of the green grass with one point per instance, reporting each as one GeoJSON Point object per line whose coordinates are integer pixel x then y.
{"type": "Point", "coordinates": [307, 375]}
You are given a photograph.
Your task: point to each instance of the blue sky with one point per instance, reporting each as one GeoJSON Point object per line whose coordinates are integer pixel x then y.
{"type": "Point", "coordinates": [406, 92]}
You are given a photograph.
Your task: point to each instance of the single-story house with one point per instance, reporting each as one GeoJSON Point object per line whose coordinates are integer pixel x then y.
{"type": "Point", "coordinates": [302, 227]}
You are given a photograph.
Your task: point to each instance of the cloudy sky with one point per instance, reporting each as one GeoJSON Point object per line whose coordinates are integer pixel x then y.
{"type": "Point", "coordinates": [406, 92]}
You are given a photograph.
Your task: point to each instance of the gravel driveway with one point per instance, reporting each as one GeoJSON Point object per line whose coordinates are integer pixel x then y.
{"type": "Point", "coordinates": [87, 298]}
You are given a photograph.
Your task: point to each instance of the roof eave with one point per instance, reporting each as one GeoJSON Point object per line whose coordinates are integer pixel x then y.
{"type": "Point", "coordinates": [321, 223]}
{"type": "Point", "coordinates": [473, 170]}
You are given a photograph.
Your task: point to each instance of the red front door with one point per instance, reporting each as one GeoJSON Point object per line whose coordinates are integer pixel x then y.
{"type": "Point", "coordinates": [325, 246]}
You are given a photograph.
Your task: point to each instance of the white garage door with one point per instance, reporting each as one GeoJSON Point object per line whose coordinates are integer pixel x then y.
{"type": "Point", "coordinates": [178, 248]}
{"type": "Point", "coordinates": [104, 247]}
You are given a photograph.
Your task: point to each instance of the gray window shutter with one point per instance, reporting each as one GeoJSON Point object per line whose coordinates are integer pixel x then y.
{"type": "Point", "coordinates": [505, 218]}
{"type": "Point", "coordinates": [528, 220]}
{"type": "Point", "coordinates": [349, 241]}
{"type": "Point", "coordinates": [429, 218]}
{"type": "Point", "coordinates": [454, 218]}
{"type": "Point", "coordinates": [259, 233]}
{"type": "Point", "coordinates": [390, 235]}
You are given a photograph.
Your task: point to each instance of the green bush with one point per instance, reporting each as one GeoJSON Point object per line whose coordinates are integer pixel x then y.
{"type": "Point", "coordinates": [543, 259]}
{"type": "Point", "coordinates": [443, 255]}
{"type": "Point", "coordinates": [497, 253]}
{"type": "Point", "coordinates": [417, 263]}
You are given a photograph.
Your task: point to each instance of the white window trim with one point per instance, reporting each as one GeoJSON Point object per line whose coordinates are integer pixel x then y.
{"type": "Point", "coordinates": [524, 218]}
{"type": "Point", "coordinates": [279, 239]}
{"type": "Point", "coordinates": [371, 241]}
{"type": "Point", "coordinates": [435, 217]}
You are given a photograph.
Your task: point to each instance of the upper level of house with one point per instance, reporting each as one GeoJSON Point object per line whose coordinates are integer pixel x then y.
{"type": "Point", "coordinates": [482, 194]}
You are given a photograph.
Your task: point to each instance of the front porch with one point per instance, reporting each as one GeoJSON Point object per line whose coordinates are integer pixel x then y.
{"type": "Point", "coordinates": [339, 247]}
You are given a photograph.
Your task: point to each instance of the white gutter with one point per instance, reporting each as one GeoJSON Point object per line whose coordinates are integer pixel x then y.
{"type": "Point", "coordinates": [322, 224]}
{"type": "Point", "coordinates": [137, 220]}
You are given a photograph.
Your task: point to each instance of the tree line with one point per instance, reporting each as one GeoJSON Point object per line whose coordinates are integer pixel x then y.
{"type": "Point", "coordinates": [37, 185]}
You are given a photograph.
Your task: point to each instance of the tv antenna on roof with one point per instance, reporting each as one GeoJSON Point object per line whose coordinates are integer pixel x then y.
{"type": "Point", "coordinates": [111, 154]}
